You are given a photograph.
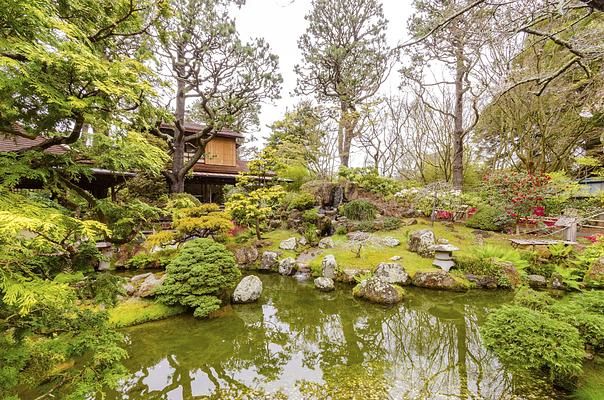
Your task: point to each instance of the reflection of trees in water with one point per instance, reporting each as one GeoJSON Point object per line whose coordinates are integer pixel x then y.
{"type": "Point", "coordinates": [429, 347]}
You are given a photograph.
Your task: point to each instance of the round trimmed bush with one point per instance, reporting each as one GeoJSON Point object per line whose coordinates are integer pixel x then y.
{"type": "Point", "coordinates": [302, 201]}
{"type": "Point", "coordinates": [488, 218]}
{"type": "Point", "coordinates": [359, 210]}
{"type": "Point", "coordinates": [198, 277]}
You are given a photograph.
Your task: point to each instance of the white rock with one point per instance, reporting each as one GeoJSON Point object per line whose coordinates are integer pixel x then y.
{"type": "Point", "coordinates": [140, 277]}
{"type": "Point", "coordinates": [390, 241]}
{"type": "Point", "coordinates": [286, 266]}
{"type": "Point", "coordinates": [324, 284]}
{"type": "Point", "coordinates": [288, 244]}
{"type": "Point", "coordinates": [248, 290]}
{"type": "Point", "coordinates": [392, 273]}
{"type": "Point", "coordinates": [326, 243]}
{"type": "Point", "coordinates": [328, 266]}
{"type": "Point", "coordinates": [269, 260]}
{"type": "Point", "coordinates": [149, 284]}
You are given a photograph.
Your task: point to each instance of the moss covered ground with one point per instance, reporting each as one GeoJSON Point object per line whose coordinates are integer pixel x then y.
{"type": "Point", "coordinates": [136, 311]}
{"type": "Point", "coordinates": [591, 383]}
{"type": "Point", "coordinates": [372, 254]}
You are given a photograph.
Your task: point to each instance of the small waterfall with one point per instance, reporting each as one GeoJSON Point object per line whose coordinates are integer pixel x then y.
{"type": "Point", "coordinates": [338, 196]}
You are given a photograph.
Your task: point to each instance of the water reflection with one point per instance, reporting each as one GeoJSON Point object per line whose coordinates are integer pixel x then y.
{"type": "Point", "coordinates": [300, 343]}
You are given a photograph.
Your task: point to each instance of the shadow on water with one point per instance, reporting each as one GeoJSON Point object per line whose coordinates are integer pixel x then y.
{"type": "Point", "coordinates": [298, 343]}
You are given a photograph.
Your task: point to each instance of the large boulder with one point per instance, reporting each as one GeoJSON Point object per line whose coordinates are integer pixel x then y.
{"type": "Point", "coordinates": [147, 287]}
{"type": "Point", "coordinates": [140, 277]}
{"type": "Point", "coordinates": [248, 290]}
{"type": "Point", "coordinates": [324, 284]}
{"type": "Point", "coordinates": [269, 260]}
{"type": "Point", "coordinates": [322, 190]}
{"type": "Point", "coordinates": [390, 241]}
{"type": "Point", "coordinates": [348, 275]}
{"type": "Point", "coordinates": [392, 273]}
{"type": "Point", "coordinates": [537, 281]}
{"type": "Point", "coordinates": [483, 281]}
{"type": "Point", "coordinates": [437, 280]}
{"type": "Point", "coordinates": [595, 275]}
{"type": "Point", "coordinates": [246, 255]}
{"type": "Point", "coordinates": [288, 244]}
{"type": "Point", "coordinates": [287, 266]}
{"type": "Point", "coordinates": [326, 243]}
{"type": "Point", "coordinates": [378, 291]}
{"type": "Point", "coordinates": [329, 266]}
{"type": "Point", "coordinates": [421, 241]}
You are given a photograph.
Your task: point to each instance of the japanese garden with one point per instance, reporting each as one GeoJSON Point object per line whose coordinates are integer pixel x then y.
{"type": "Point", "coordinates": [302, 199]}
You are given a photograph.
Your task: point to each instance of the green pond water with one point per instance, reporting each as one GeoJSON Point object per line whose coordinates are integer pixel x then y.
{"type": "Point", "coordinates": [298, 343]}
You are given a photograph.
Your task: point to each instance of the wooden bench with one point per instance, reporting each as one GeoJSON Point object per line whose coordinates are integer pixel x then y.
{"type": "Point", "coordinates": [538, 242]}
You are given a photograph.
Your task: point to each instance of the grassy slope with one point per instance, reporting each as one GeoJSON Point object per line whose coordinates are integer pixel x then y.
{"type": "Point", "coordinates": [371, 256]}
{"type": "Point", "coordinates": [137, 311]}
{"type": "Point", "coordinates": [591, 385]}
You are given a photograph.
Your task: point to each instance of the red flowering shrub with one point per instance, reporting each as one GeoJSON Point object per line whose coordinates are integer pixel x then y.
{"type": "Point", "coordinates": [443, 214]}
{"type": "Point", "coordinates": [520, 194]}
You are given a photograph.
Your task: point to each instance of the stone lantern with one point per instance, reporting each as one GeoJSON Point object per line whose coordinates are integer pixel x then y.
{"type": "Point", "coordinates": [443, 256]}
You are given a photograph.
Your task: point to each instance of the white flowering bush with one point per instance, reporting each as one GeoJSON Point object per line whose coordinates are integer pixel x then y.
{"type": "Point", "coordinates": [422, 199]}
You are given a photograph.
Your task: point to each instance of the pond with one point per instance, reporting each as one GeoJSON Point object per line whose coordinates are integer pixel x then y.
{"type": "Point", "coordinates": [299, 343]}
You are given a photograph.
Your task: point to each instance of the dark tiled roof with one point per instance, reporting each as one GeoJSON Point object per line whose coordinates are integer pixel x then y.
{"type": "Point", "coordinates": [16, 143]}
{"type": "Point", "coordinates": [192, 127]}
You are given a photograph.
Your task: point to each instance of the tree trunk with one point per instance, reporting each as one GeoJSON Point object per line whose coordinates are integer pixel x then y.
{"type": "Point", "coordinates": [458, 133]}
{"type": "Point", "coordinates": [177, 178]}
{"type": "Point", "coordinates": [348, 121]}
{"type": "Point", "coordinates": [258, 233]}
{"type": "Point", "coordinates": [342, 136]}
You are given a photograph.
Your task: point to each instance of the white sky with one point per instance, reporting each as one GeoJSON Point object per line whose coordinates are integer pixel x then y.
{"type": "Point", "coordinates": [281, 23]}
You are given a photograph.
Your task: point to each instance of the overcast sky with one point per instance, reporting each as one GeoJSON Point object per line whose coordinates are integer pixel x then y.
{"type": "Point", "coordinates": [281, 23]}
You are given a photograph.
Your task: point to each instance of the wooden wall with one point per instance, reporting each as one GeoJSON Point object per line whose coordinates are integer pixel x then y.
{"type": "Point", "coordinates": [221, 151]}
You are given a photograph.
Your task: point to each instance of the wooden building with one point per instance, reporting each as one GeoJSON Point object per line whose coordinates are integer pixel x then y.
{"type": "Point", "coordinates": [219, 166]}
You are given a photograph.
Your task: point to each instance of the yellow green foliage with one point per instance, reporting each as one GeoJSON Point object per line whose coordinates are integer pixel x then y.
{"type": "Point", "coordinates": [201, 220]}
{"type": "Point", "coordinates": [137, 311]}
{"type": "Point", "coordinates": [161, 238]}
{"type": "Point", "coordinates": [255, 207]}
{"type": "Point", "coordinates": [215, 223]}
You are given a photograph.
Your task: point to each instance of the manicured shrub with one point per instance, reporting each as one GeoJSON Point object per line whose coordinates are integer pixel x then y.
{"type": "Point", "coordinates": [365, 226]}
{"type": "Point", "coordinates": [301, 201]}
{"type": "Point", "coordinates": [199, 276]}
{"type": "Point", "coordinates": [156, 260]}
{"type": "Point", "coordinates": [530, 340]}
{"type": "Point", "coordinates": [488, 218]}
{"type": "Point", "coordinates": [592, 301]}
{"type": "Point", "coordinates": [391, 223]}
{"type": "Point", "coordinates": [310, 216]}
{"type": "Point", "coordinates": [590, 325]}
{"type": "Point", "coordinates": [532, 299]}
{"type": "Point", "coordinates": [359, 210]}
